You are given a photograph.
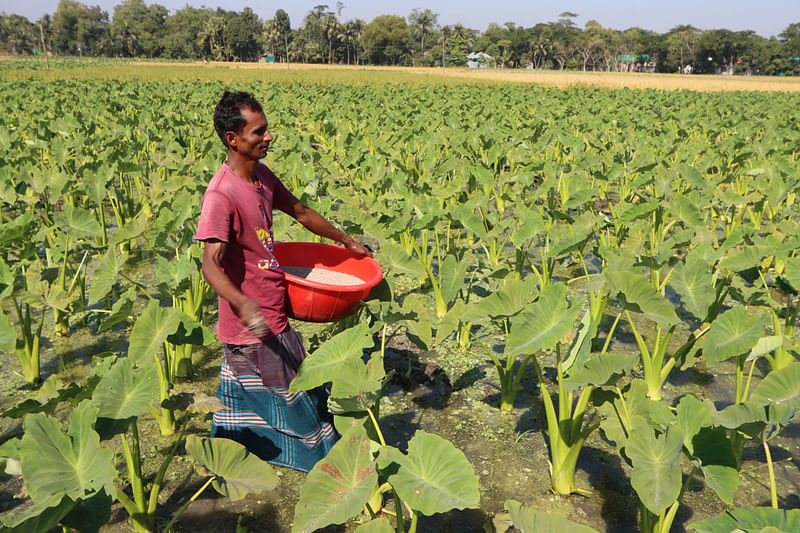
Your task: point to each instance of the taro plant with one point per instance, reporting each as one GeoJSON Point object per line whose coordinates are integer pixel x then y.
{"type": "Point", "coordinates": [700, 295]}
{"type": "Point", "coordinates": [30, 301]}
{"type": "Point", "coordinates": [68, 475]}
{"type": "Point", "coordinates": [541, 326]}
{"type": "Point", "coordinates": [432, 477]}
{"type": "Point", "coordinates": [148, 337]}
{"type": "Point", "coordinates": [71, 477]}
{"type": "Point", "coordinates": [184, 282]}
{"type": "Point", "coordinates": [654, 441]}
{"type": "Point", "coordinates": [72, 223]}
{"type": "Point", "coordinates": [499, 307]}
{"type": "Point", "coordinates": [772, 406]}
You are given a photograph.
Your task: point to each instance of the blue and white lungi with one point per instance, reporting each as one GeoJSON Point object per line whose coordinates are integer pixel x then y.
{"type": "Point", "coordinates": [292, 430]}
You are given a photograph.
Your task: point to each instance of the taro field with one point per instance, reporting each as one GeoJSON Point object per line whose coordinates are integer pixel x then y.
{"type": "Point", "coordinates": [588, 320]}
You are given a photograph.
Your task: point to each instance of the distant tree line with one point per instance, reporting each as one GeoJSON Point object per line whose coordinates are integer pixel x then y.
{"type": "Point", "coordinates": [138, 30]}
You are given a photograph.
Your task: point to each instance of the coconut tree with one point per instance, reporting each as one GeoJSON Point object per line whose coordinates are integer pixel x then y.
{"type": "Point", "coordinates": [424, 22]}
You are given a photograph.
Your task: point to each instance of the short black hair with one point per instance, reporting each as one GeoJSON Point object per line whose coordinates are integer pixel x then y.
{"type": "Point", "coordinates": [227, 114]}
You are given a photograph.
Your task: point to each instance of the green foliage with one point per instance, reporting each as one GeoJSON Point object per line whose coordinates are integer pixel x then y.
{"type": "Point", "coordinates": [339, 485]}
{"type": "Point", "coordinates": [532, 521]}
{"type": "Point", "coordinates": [236, 472]}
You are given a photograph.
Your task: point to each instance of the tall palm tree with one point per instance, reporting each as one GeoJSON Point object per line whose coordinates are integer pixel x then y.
{"type": "Point", "coordinates": [357, 28]}
{"type": "Point", "coordinates": [331, 31]}
{"type": "Point", "coordinates": [424, 21]}
{"type": "Point", "coordinates": [347, 36]}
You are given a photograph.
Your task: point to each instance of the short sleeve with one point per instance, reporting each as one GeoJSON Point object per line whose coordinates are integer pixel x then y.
{"type": "Point", "coordinates": [282, 198]}
{"type": "Point", "coordinates": [216, 218]}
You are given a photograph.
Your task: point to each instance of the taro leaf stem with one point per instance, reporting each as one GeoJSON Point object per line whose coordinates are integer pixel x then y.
{"type": "Point", "coordinates": [773, 489]}
{"type": "Point", "coordinates": [414, 518]}
{"type": "Point", "coordinates": [156, 488]}
{"type": "Point", "coordinates": [186, 505]}
{"type": "Point", "coordinates": [133, 458]}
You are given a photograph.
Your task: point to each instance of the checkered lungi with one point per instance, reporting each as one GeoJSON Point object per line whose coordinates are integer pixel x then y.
{"type": "Point", "coordinates": [292, 430]}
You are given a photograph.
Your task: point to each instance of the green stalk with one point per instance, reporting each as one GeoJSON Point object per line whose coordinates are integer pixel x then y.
{"type": "Point", "coordinates": [414, 518]}
{"type": "Point", "coordinates": [651, 377]}
{"type": "Point", "coordinates": [104, 236]}
{"type": "Point", "coordinates": [185, 506]}
{"type": "Point", "coordinates": [164, 416]}
{"type": "Point", "coordinates": [133, 459]}
{"type": "Point", "coordinates": [773, 488]}
{"type": "Point", "coordinates": [397, 502]}
{"type": "Point", "coordinates": [156, 488]}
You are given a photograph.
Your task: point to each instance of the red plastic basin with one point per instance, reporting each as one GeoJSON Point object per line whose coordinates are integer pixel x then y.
{"type": "Point", "coordinates": [313, 301]}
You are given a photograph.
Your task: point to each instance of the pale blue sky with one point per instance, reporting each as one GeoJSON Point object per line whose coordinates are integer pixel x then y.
{"type": "Point", "coordinates": [767, 17]}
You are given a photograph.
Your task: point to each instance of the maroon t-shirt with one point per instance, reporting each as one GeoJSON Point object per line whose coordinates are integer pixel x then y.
{"type": "Point", "coordinates": [239, 213]}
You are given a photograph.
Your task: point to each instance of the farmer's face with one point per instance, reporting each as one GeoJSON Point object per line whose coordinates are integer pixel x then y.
{"type": "Point", "coordinates": [253, 141]}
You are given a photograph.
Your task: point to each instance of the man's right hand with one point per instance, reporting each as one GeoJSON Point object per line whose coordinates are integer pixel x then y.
{"type": "Point", "coordinates": [250, 314]}
{"type": "Point", "coordinates": [248, 310]}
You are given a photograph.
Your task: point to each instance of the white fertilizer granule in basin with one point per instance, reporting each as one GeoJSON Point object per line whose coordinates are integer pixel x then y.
{"type": "Point", "coordinates": [321, 275]}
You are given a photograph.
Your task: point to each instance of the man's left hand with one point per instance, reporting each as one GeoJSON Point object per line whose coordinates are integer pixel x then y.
{"type": "Point", "coordinates": [355, 246]}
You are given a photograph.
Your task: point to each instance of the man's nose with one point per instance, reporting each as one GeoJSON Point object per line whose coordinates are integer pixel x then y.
{"type": "Point", "coordinates": [268, 136]}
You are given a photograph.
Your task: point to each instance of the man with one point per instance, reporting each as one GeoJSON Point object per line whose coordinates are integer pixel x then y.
{"type": "Point", "coordinates": [261, 351]}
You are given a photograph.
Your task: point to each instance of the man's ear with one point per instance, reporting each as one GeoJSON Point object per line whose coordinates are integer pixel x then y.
{"type": "Point", "coordinates": [230, 140]}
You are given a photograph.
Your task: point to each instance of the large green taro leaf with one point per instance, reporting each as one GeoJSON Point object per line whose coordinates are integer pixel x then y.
{"type": "Point", "coordinates": [106, 274]}
{"type": "Point", "coordinates": [693, 177]}
{"type": "Point", "coordinates": [16, 229]}
{"type": "Point", "coordinates": [94, 183]}
{"type": "Point", "coordinates": [8, 335]}
{"type": "Point", "coordinates": [694, 283]}
{"type": "Point", "coordinates": [37, 518]}
{"type": "Point", "coordinates": [731, 335]}
{"type": "Point", "coordinates": [321, 366]}
{"type": "Point", "coordinates": [531, 225]}
{"type": "Point", "coordinates": [55, 464]}
{"type": "Point", "coordinates": [781, 387]}
{"type": "Point", "coordinates": [753, 520]}
{"type": "Point", "coordinates": [7, 276]}
{"type": "Point", "coordinates": [792, 272]}
{"type": "Point", "coordinates": [739, 259]}
{"type": "Point", "coordinates": [236, 471]}
{"type": "Point", "coordinates": [434, 477]}
{"type": "Point", "coordinates": [392, 256]}
{"type": "Point", "coordinates": [656, 475]}
{"type": "Point", "coordinates": [357, 386]}
{"type": "Point", "coordinates": [451, 276]}
{"type": "Point", "coordinates": [77, 221]}
{"type": "Point", "coordinates": [190, 331]}
{"type": "Point", "coordinates": [130, 230]}
{"type": "Point", "coordinates": [122, 394]}
{"type": "Point", "coordinates": [151, 330]}
{"type": "Point", "coordinates": [120, 311]}
{"type": "Point", "coordinates": [724, 480]}
{"type": "Point", "coordinates": [90, 514]}
{"type": "Point", "coordinates": [581, 345]}
{"type": "Point", "coordinates": [174, 275]}
{"type": "Point", "coordinates": [532, 521]}
{"type": "Point", "coordinates": [685, 210]}
{"type": "Point", "coordinates": [637, 294]}
{"type": "Point", "coordinates": [542, 324]}
{"type": "Point", "coordinates": [692, 416]}
{"type": "Point", "coordinates": [338, 486]}
{"type": "Point", "coordinates": [504, 302]}
{"type": "Point", "coordinates": [602, 370]}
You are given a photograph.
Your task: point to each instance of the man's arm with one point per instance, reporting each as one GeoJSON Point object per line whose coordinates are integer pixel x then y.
{"type": "Point", "coordinates": [248, 309]}
{"type": "Point", "coordinates": [318, 225]}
